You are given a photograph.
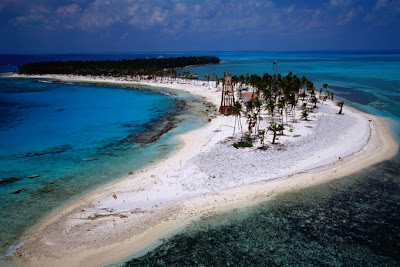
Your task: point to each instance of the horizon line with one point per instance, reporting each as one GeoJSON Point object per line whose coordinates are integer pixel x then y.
{"type": "Point", "coordinates": [202, 51]}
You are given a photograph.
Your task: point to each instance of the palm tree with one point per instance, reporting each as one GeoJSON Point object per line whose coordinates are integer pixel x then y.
{"type": "Point", "coordinates": [237, 108]}
{"type": "Point", "coordinates": [271, 108]}
{"type": "Point", "coordinates": [216, 81]}
{"type": "Point", "coordinates": [304, 114]}
{"type": "Point", "coordinates": [324, 86]}
{"type": "Point", "coordinates": [261, 134]}
{"type": "Point", "coordinates": [267, 94]}
{"type": "Point", "coordinates": [186, 74]}
{"type": "Point", "coordinates": [207, 77]}
{"type": "Point", "coordinates": [276, 128]}
{"type": "Point", "coordinates": [314, 100]}
{"type": "Point", "coordinates": [250, 116]}
{"type": "Point", "coordinates": [303, 82]}
{"type": "Point", "coordinates": [241, 80]}
{"type": "Point", "coordinates": [310, 86]}
{"type": "Point", "coordinates": [195, 77]}
{"type": "Point", "coordinates": [174, 74]}
{"type": "Point", "coordinates": [292, 101]}
{"type": "Point", "coordinates": [282, 105]}
{"type": "Point", "coordinates": [255, 80]}
{"type": "Point", "coordinates": [303, 95]}
{"type": "Point", "coordinates": [247, 79]}
{"type": "Point", "coordinates": [266, 79]}
{"type": "Point", "coordinates": [258, 104]}
{"type": "Point", "coordinates": [324, 97]}
{"type": "Point", "coordinates": [340, 104]}
{"type": "Point", "coordinates": [235, 80]}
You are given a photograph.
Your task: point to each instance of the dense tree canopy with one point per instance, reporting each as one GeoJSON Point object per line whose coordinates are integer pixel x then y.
{"type": "Point", "coordinates": [122, 67]}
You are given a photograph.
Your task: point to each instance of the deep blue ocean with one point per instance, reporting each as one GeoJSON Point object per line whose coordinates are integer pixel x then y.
{"type": "Point", "coordinates": [351, 221]}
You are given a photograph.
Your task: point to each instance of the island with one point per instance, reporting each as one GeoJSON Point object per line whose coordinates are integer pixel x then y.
{"type": "Point", "coordinates": [280, 133]}
{"type": "Point", "coordinates": [118, 68]}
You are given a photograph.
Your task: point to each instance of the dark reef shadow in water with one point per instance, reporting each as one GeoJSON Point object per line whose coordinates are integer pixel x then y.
{"type": "Point", "coordinates": [37, 197]}
{"type": "Point", "coordinates": [354, 221]}
{"type": "Point", "coordinates": [354, 95]}
{"type": "Point", "coordinates": [51, 150]}
{"type": "Point", "coordinates": [153, 130]}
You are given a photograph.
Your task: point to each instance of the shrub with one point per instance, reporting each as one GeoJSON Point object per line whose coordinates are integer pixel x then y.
{"type": "Point", "coordinates": [243, 144]}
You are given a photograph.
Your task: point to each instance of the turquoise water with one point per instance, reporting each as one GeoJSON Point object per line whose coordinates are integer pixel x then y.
{"type": "Point", "coordinates": [354, 221]}
{"type": "Point", "coordinates": [52, 129]}
{"type": "Point", "coordinates": [371, 81]}
{"type": "Point", "coordinates": [351, 221]}
{"type": "Point", "coordinates": [58, 114]}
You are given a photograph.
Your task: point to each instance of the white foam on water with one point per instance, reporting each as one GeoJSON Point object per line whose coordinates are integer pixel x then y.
{"type": "Point", "coordinates": [11, 249]}
{"type": "Point", "coordinates": [46, 81]}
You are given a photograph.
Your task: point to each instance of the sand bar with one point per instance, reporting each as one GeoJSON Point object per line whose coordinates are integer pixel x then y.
{"type": "Point", "coordinates": [205, 175]}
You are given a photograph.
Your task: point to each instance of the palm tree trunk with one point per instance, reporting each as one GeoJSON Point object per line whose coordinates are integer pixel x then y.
{"type": "Point", "coordinates": [294, 114]}
{"type": "Point", "coordinates": [240, 123]}
{"type": "Point", "coordinates": [234, 127]}
{"type": "Point", "coordinates": [286, 114]}
{"type": "Point", "coordinates": [273, 139]}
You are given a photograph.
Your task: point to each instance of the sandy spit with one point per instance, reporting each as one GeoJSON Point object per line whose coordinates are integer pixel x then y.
{"type": "Point", "coordinates": [202, 177]}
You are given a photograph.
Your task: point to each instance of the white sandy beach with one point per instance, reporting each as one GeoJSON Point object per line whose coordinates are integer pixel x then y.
{"type": "Point", "coordinates": [205, 175]}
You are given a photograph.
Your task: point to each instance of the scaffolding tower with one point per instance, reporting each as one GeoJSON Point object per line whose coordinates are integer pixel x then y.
{"type": "Point", "coordinates": [274, 80]}
{"type": "Point", "coordinates": [228, 95]}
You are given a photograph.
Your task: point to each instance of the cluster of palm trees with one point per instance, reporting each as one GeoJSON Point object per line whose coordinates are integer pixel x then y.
{"type": "Point", "coordinates": [275, 98]}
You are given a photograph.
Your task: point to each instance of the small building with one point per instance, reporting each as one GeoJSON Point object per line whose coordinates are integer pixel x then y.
{"type": "Point", "coordinates": [247, 96]}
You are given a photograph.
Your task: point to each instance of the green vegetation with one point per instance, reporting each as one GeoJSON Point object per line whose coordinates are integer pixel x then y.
{"type": "Point", "coordinates": [304, 115]}
{"type": "Point", "coordinates": [340, 104]}
{"type": "Point", "coordinates": [243, 144]}
{"type": "Point", "coordinates": [157, 67]}
{"type": "Point", "coordinates": [274, 100]}
{"type": "Point", "coordinates": [276, 128]}
{"type": "Point", "coordinates": [236, 112]}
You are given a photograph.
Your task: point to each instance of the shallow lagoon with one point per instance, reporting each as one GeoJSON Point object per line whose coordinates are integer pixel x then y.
{"type": "Point", "coordinates": [352, 221]}
{"type": "Point", "coordinates": [74, 136]}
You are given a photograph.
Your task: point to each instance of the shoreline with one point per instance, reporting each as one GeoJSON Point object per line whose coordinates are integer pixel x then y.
{"type": "Point", "coordinates": [113, 219]}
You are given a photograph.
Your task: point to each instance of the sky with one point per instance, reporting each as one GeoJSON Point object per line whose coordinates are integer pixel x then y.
{"type": "Point", "coordinates": [96, 26]}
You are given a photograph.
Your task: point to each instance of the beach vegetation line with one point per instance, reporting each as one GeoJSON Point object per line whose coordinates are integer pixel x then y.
{"type": "Point", "coordinates": [150, 67]}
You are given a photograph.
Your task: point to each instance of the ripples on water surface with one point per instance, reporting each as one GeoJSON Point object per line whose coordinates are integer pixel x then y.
{"type": "Point", "coordinates": [353, 221]}
{"type": "Point", "coordinates": [53, 130]}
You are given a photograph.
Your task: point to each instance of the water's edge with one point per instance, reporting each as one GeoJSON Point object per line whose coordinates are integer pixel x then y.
{"type": "Point", "coordinates": [190, 113]}
{"type": "Point", "coordinates": [353, 220]}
